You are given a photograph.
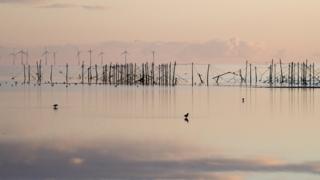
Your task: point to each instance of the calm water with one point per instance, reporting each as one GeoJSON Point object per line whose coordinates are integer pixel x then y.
{"type": "Point", "coordinates": [139, 133]}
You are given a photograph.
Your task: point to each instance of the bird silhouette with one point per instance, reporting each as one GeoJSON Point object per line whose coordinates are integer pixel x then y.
{"type": "Point", "coordinates": [242, 100]}
{"type": "Point", "coordinates": [55, 106]}
{"type": "Point", "coordinates": [186, 117]}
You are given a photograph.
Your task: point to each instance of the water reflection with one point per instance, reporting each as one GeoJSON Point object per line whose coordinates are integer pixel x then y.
{"type": "Point", "coordinates": [139, 132]}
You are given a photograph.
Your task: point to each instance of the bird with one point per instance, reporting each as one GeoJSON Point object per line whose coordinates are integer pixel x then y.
{"type": "Point", "coordinates": [186, 117]}
{"type": "Point", "coordinates": [55, 106]}
{"type": "Point", "coordinates": [242, 100]}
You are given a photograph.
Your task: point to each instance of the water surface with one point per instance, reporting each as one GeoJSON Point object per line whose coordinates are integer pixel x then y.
{"type": "Point", "coordinates": [140, 133]}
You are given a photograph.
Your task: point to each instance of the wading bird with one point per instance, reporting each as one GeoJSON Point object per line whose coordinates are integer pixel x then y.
{"type": "Point", "coordinates": [186, 117]}
{"type": "Point", "coordinates": [55, 106]}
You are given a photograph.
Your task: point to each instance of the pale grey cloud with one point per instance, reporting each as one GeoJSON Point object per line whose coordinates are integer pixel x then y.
{"type": "Point", "coordinates": [68, 5]}
{"type": "Point", "coordinates": [21, 1]}
{"type": "Point", "coordinates": [93, 7]}
{"type": "Point", "coordinates": [58, 5]}
{"type": "Point", "coordinates": [54, 5]}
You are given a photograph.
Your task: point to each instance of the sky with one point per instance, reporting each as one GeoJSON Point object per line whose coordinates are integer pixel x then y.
{"type": "Point", "coordinates": [276, 28]}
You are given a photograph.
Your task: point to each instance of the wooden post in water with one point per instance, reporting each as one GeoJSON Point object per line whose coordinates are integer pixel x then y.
{"type": "Point", "coordinates": [294, 73]}
{"type": "Point", "coordinates": [103, 74]}
{"type": "Point", "coordinates": [270, 75]}
{"type": "Point", "coordinates": [37, 72]}
{"type": "Point", "coordinates": [51, 74]}
{"type": "Point", "coordinates": [166, 72]}
{"type": "Point", "coordinates": [250, 75]}
{"type": "Point", "coordinates": [275, 73]}
{"type": "Point", "coordinates": [281, 73]}
{"type": "Point", "coordinates": [24, 74]}
{"type": "Point", "coordinates": [82, 72]}
{"type": "Point", "coordinates": [40, 72]}
{"type": "Point", "coordinates": [208, 70]}
{"type": "Point", "coordinates": [152, 74]}
{"type": "Point", "coordinates": [124, 74]}
{"type": "Point", "coordinates": [115, 74]}
{"type": "Point", "coordinates": [246, 75]}
{"type": "Point", "coordinates": [170, 75]}
{"type": "Point", "coordinates": [109, 75]}
{"type": "Point", "coordinates": [289, 74]}
{"type": "Point", "coordinates": [96, 68]}
{"type": "Point", "coordinates": [159, 74]}
{"type": "Point", "coordinates": [292, 76]}
{"type": "Point", "coordinates": [147, 74]}
{"type": "Point", "coordinates": [256, 76]}
{"type": "Point", "coordinates": [121, 71]}
{"type": "Point", "coordinates": [271, 71]}
{"type": "Point", "coordinates": [310, 75]}
{"type": "Point", "coordinates": [306, 72]}
{"type": "Point", "coordinates": [143, 76]}
{"type": "Point", "coordinates": [241, 78]}
{"type": "Point", "coordinates": [130, 73]}
{"type": "Point", "coordinates": [302, 73]}
{"type": "Point", "coordinates": [67, 74]}
{"type": "Point", "coordinates": [135, 73]}
{"type": "Point", "coordinates": [127, 73]}
{"type": "Point", "coordinates": [298, 74]}
{"type": "Point", "coordinates": [118, 74]}
{"type": "Point", "coordinates": [112, 73]}
{"type": "Point", "coordinates": [192, 73]}
{"type": "Point", "coordinates": [313, 78]}
{"type": "Point", "coordinates": [89, 75]}
{"type": "Point", "coordinates": [174, 74]}
{"type": "Point", "coordinates": [29, 74]}
{"type": "Point", "coordinates": [163, 74]}
{"type": "Point", "coordinates": [127, 68]}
